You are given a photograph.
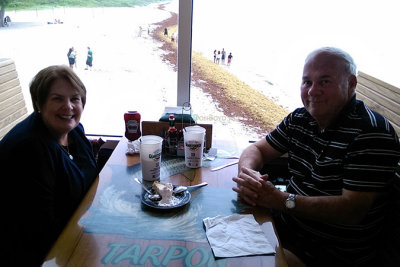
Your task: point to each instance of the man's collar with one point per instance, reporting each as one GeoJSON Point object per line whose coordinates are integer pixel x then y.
{"type": "Point", "coordinates": [348, 108]}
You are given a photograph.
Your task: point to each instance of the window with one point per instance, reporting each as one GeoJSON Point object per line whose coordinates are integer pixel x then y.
{"type": "Point", "coordinates": [268, 40]}
{"type": "Point", "coordinates": [128, 70]}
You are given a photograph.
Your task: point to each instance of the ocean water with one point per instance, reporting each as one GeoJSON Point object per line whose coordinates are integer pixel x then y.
{"type": "Point", "coordinates": [269, 40]}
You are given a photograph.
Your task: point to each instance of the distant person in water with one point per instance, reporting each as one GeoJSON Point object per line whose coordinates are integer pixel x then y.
{"type": "Point", "coordinates": [230, 59]}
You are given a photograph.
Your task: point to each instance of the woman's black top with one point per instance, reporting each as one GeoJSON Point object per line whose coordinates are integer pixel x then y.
{"type": "Point", "coordinates": [40, 187]}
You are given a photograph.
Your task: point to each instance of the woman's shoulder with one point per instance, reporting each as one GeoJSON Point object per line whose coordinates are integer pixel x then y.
{"type": "Point", "coordinates": [21, 132]}
{"type": "Point", "coordinates": [27, 133]}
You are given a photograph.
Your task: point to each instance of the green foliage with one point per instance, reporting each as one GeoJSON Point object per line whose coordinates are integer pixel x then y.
{"type": "Point", "coordinates": [4, 2]}
{"type": "Point", "coordinates": [43, 4]}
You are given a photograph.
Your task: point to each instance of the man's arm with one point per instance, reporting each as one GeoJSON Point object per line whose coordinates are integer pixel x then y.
{"type": "Point", "coordinates": [258, 154]}
{"type": "Point", "coordinates": [348, 208]}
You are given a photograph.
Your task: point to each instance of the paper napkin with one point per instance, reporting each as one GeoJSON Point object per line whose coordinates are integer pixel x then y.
{"type": "Point", "coordinates": [236, 235]}
{"type": "Point", "coordinates": [133, 147]}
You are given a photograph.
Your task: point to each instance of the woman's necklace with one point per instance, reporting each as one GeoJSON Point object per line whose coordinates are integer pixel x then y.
{"type": "Point", "coordinates": [66, 150]}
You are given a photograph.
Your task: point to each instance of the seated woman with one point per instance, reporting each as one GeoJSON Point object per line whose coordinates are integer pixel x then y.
{"type": "Point", "coordinates": [47, 167]}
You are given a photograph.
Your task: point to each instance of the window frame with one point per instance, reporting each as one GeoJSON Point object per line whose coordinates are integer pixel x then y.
{"type": "Point", "coordinates": [185, 20]}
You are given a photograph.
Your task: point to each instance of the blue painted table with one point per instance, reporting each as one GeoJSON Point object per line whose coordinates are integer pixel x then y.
{"type": "Point", "coordinates": [113, 228]}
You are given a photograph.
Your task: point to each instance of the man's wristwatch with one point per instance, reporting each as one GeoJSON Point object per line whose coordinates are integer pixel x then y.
{"type": "Point", "coordinates": [290, 202]}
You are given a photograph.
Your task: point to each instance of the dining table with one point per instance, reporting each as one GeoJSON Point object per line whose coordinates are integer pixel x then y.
{"type": "Point", "coordinates": [113, 226]}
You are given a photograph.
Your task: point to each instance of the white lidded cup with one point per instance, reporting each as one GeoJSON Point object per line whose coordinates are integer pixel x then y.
{"type": "Point", "coordinates": [193, 137]}
{"type": "Point", "coordinates": [150, 156]}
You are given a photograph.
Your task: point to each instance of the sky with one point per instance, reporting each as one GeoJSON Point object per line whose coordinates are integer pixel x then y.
{"type": "Point", "coordinates": [270, 39]}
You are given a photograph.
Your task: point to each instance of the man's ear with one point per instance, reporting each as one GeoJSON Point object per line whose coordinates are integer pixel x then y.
{"type": "Point", "coordinates": [352, 84]}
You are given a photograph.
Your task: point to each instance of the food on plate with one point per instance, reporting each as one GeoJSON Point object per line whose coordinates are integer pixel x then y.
{"type": "Point", "coordinates": [165, 190]}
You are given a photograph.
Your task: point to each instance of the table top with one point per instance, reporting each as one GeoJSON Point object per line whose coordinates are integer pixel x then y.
{"type": "Point", "coordinates": [112, 227]}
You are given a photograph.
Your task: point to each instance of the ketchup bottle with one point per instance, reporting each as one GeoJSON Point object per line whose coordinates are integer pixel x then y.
{"type": "Point", "coordinates": [172, 136]}
{"type": "Point", "coordinates": [132, 125]}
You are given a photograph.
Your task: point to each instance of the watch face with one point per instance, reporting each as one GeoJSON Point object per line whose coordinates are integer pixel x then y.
{"type": "Point", "coordinates": [290, 204]}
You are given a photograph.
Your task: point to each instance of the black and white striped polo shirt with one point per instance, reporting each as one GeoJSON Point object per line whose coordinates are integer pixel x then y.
{"type": "Point", "coordinates": [359, 152]}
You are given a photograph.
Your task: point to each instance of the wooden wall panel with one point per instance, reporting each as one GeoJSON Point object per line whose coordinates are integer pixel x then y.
{"type": "Point", "coordinates": [381, 97]}
{"type": "Point", "coordinates": [12, 102]}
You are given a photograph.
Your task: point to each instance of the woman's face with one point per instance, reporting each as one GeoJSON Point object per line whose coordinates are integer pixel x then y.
{"type": "Point", "coordinates": [63, 108]}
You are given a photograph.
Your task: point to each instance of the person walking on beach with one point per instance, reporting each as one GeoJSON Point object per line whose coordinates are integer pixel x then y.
{"type": "Point", "coordinates": [223, 53]}
{"type": "Point", "coordinates": [71, 57]}
{"type": "Point", "coordinates": [89, 59]}
{"type": "Point", "coordinates": [215, 55]}
{"type": "Point", "coordinates": [69, 53]}
{"type": "Point", "coordinates": [140, 31]}
{"type": "Point", "coordinates": [218, 56]}
{"type": "Point", "coordinates": [166, 31]}
{"type": "Point", "coordinates": [230, 59]}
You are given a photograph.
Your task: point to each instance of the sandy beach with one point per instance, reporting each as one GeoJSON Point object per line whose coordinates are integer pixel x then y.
{"type": "Point", "coordinates": [134, 71]}
{"type": "Point", "coordinates": [129, 68]}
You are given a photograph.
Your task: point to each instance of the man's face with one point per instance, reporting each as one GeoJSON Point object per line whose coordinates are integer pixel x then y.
{"type": "Point", "coordinates": [325, 88]}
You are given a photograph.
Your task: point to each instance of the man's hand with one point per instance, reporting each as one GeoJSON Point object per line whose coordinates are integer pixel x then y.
{"type": "Point", "coordinates": [256, 190]}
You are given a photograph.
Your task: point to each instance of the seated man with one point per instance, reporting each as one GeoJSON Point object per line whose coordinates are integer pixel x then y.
{"type": "Point", "coordinates": [341, 157]}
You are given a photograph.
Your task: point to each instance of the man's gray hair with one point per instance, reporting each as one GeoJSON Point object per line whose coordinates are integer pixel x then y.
{"type": "Point", "coordinates": [350, 66]}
